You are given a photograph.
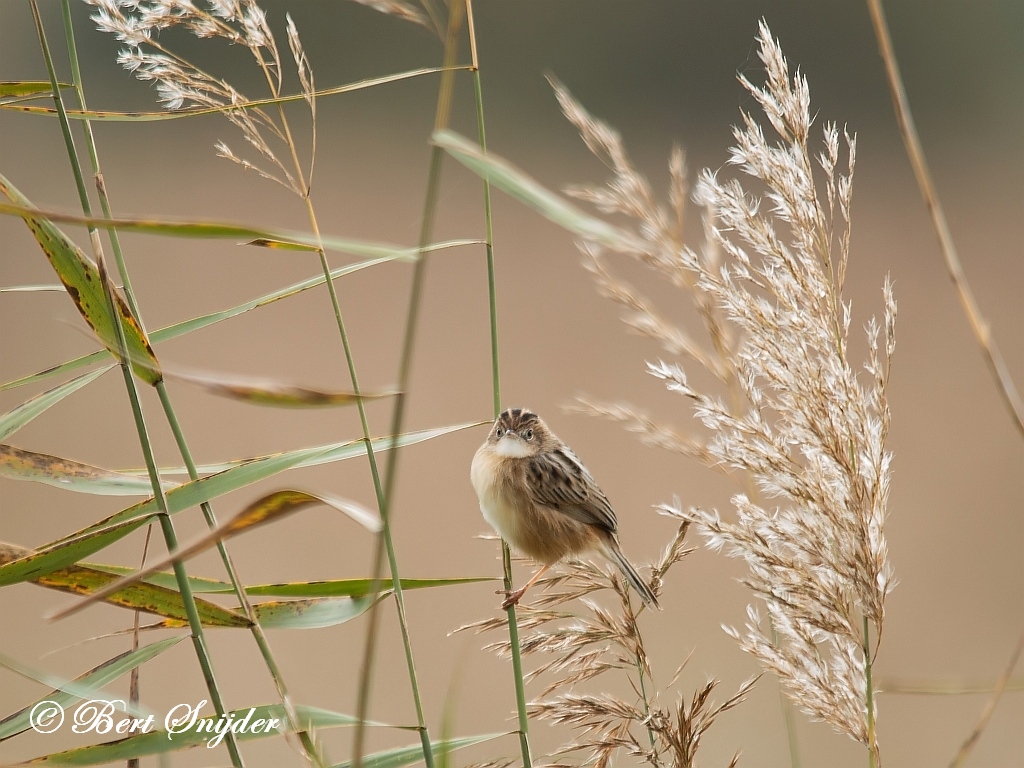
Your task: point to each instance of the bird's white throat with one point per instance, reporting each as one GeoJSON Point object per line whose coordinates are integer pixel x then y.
{"type": "Point", "coordinates": [513, 448]}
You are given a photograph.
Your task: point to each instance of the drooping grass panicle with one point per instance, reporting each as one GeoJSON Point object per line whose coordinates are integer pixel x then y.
{"type": "Point", "coordinates": [792, 416]}
{"type": "Point", "coordinates": [181, 84]}
{"type": "Point", "coordinates": [399, 9]}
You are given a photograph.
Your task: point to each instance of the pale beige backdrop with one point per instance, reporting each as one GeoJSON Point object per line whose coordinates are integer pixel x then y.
{"type": "Point", "coordinates": [662, 72]}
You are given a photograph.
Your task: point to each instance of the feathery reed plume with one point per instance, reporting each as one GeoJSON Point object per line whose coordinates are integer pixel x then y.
{"type": "Point", "coordinates": [577, 646]}
{"type": "Point", "coordinates": [806, 432]}
{"type": "Point", "coordinates": [399, 9]}
{"type": "Point", "coordinates": [181, 84]}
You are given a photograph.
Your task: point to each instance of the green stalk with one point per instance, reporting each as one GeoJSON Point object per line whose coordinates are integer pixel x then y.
{"type": "Point", "coordinates": [786, 706]}
{"type": "Point", "coordinates": [441, 118]}
{"type": "Point", "coordinates": [787, 715]}
{"type": "Point", "coordinates": [506, 555]}
{"type": "Point", "coordinates": [304, 191]}
{"type": "Point", "coordinates": [647, 710]}
{"type": "Point", "coordinates": [396, 581]}
{"type": "Point", "coordinates": [259, 636]}
{"type": "Point", "coordinates": [870, 696]}
{"type": "Point", "coordinates": [115, 241]}
{"type": "Point", "coordinates": [166, 525]}
{"type": "Point", "coordinates": [90, 142]}
{"type": "Point", "coordinates": [172, 419]}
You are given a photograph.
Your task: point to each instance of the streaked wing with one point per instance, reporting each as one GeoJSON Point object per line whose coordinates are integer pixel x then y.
{"type": "Point", "coordinates": [559, 480]}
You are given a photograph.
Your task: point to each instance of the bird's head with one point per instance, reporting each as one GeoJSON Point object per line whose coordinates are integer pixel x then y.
{"type": "Point", "coordinates": [519, 433]}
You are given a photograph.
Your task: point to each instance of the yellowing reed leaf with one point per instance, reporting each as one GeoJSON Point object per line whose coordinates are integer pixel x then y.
{"type": "Point", "coordinates": [81, 279]}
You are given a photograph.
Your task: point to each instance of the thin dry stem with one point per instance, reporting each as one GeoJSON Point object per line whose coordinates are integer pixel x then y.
{"type": "Point", "coordinates": [990, 706]}
{"type": "Point", "coordinates": [915, 153]}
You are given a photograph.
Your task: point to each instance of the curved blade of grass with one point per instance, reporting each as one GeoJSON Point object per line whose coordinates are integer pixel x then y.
{"type": "Point", "coordinates": [95, 537]}
{"type": "Point", "coordinates": [271, 393]}
{"type": "Point", "coordinates": [195, 492]}
{"type": "Point", "coordinates": [296, 614]}
{"type": "Point", "coordinates": [75, 689]}
{"type": "Point", "coordinates": [333, 452]}
{"type": "Point", "coordinates": [313, 613]}
{"type": "Point", "coordinates": [52, 557]}
{"type": "Point", "coordinates": [199, 584]}
{"type": "Point", "coordinates": [112, 116]}
{"type": "Point", "coordinates": [31, 288]}
{"type": "Point", "coordinates": [159, 742]}
{"type": "Point", "coordinates": [29, 88]}
{"type": "Point", "coordinates": [82, 281]}
{"type": "Point", "coordinates": [266, 391]}
{"type": "Point", "coordinates": [397, 758]}
{"type": "Point", "coordinates": [342, 451]}
{"type": "Point", "coordinates": [88, 685]}
{"type": "Point", "coordinates": [213, 230]}
{"type": "Point", "coordinates": [15, 419]}
{"type": "Point", "coordinates": [282, 245]}
{"type": "Point", "coordinates": [349, 587]}
{"type": "Point", "coordinates": [326, 588]}
{"type": "Point", "coordinates": [162, 600]}
{"type": "Point", "coordinates": [188, 326]}
{"type": "Point", "coordinates": [266, 509]}
{"type": "Point", "coordinates": [18, 464]}
{"type": "Point", "coordinates": [521, 186]}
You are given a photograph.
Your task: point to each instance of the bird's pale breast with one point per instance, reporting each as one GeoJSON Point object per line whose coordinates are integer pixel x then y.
{"type": "Point", "coordinates": [545, 534]}
{"type": "Point", "coordinates": [495, 503]}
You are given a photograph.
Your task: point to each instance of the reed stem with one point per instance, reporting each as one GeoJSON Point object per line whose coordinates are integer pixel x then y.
{"type": "Point", "coordinates": [870, 698]}
{"type": "Point", "coordinates": [168, 408]}
{"type": "Point", "coordinates": [441, 118]}
{"type": "Point", "coordinates": [506, 555]}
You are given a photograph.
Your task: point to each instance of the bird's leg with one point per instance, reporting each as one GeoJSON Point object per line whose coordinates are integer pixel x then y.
{"type": "Point", "coordinates": [513, 598]}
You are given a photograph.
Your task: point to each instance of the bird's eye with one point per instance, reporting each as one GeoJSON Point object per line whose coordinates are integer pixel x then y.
{"type": "Point", "coordinates": [528, 434]}
{"type": "Point", "coordinates": [499, 432]}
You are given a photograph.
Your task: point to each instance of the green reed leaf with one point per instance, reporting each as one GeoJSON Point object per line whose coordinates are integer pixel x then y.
{"type": "Point", "coordinates": [266, 509]}
{"type": "Point", "coordinates": [82, 280]}
{"type": "Point", "coordinates": [521, 186]}
{"type": "Point", "coordinates": [32, 289]}
{"type": "Point", "coordinates": [158, 742]}
{"type": "Point", "coordinates": [271, 393]}
{"type": "Point", "coordinates": [29, 88]}
{"type": "Point", "coordinates": [64, 553]}
{"type": "Point", "coordinates": [112, 116]}
{"type": "Point", "coordinates": [397, 758]}
{"type": "Point", "coordinates": [328, 588]}
{"type": "Point", "coordinates": [95, 537]}
{"type": "Point", "coordinates": [350, 587]}
{"type": "Point", "coordinates": [15, 419]}
{"type": "Point", "coordinates": [88, 685]}
{"type": "Point", "coordinates": [313, 613]}
{"type": "Point", "coordinates": [205, 230]}
{"type": "Point", "coordinates": [331, 452]}
{"type": "Point", "coordinates": [188, 326]}
{"type": "Point", "coordinates": [158, 600]}
{"type": "Point", "coordinates": [70, 475]}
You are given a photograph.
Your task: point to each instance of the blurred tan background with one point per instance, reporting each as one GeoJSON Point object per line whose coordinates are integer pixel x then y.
{"type": "Point", "coordinates": [661, 72]}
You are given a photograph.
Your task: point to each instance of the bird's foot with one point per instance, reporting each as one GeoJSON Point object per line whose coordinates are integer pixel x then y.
{"type": "Point", "coordinates": [511, 598]}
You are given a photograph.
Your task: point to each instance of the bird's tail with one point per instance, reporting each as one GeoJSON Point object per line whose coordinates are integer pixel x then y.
{"type": "Point", "coordinates": [614, 553]}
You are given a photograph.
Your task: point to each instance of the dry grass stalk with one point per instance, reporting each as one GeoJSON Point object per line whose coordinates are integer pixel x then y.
{"type": "Point", "coordinates": [577, 646]}
{"type": "Point", "coordinates": [804, 430]}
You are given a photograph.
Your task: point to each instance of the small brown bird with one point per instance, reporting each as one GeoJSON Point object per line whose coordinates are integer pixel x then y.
{"type": "Point", "coordinates": [540, 498]}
